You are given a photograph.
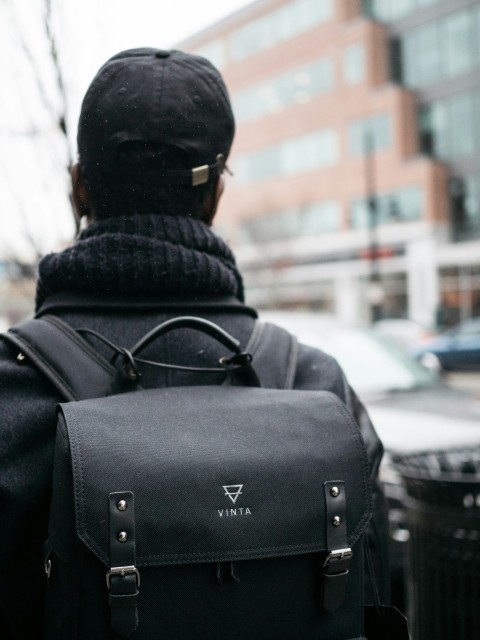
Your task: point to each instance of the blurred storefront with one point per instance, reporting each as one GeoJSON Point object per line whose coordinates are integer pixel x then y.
{"type": "Point", "coordinates": [340, 103]}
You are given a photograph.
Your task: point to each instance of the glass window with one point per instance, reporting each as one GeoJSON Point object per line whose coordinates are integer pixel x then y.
{"type": "Point", "coordinates": [442, 48]}
{"type": "Point", "coordinates": [401, 205]}
{"type": "Point", "coordinates": [354, 63]}
{"type": "Point", "coordinates": [409, 64]}
{"type": "Point", "coordinates": [320, 217]}
{"type": "Point", "coordinates": [461, 122]}
{"type": "Point", "coordinates": [279, 25]}
{"type": "Point", "coordinates": [476, 29]}
{"type": "Point", "coordinates": [400, 8]}
{"type": "Point", "coordinates": [452, 125]}
{"type": "Point", "coordinates": [389, 10]}
{"type": "Point", "coordinates": [371, 133]}
{"type": "Point", "coordinates": [315, 218]}
{"type": "Point", "coordinates": [359, 214]}
{"type": "Point", "coordinates": [429, 52]}
{"type": "Point", "coordinates": [457, 43]}
{"type": "Point", "coordinates": [472, 202]}
{"type": "Point", "coordinates": [476, 116]}
{"type": "Point", "coordinates": [299, 86]}
{"type": "Point", "coordinates": [441, 129]}
{"type": "Point", "coordinates": [297, 155]}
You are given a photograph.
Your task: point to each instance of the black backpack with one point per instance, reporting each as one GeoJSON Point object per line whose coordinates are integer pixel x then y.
{"type": "Point", "coordinates": [204, 512]}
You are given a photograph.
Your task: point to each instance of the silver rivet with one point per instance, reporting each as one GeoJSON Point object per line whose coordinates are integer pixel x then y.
{"type": "Point", "coordinates": [122, 505]}
{"type": "Point", "coordinates": [336, 521]}
{"type": "Point", "coordinates": [334, 491]}
{"type": "Point", "coordinates": [20, 357]}
{"type": "Point", "coordinates": [122, 536]}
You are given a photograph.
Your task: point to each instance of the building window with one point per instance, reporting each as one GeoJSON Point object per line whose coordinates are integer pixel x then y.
{"type": "Point", "coordinates": [298, 86]}
{"type": "Point", "coordinates": [390, 10]}
{"type": "Point", "coordinates": [278, 26]}
{"type": "Point", "coordinates": [460, 294]}
{"type": "Point", "coordinates": [401, 205]}
{"type": "Point", "coordinates": [306, 153]}
{"type": "Point", "coordinates": [443, 48]}
{"type": "Point", "coordinates": [315, 218]}
{"type": "Point", "coordinates": [450, 127]}
{"type": "Point", "coordinates": [458, 43]}
{"type": "Point", "coordinates": [472, 203]}
{"type": "Point", "coordinates": [465, 207]}
{"type": "Point", "coordinates": [354, 63]}
{"type": "Point", "coordinates": [369, 134]}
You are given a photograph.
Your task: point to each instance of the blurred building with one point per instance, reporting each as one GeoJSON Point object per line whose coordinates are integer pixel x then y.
{"type": "Point", "coordinates": [17, 292]}
{"type": "Point", "coordinates": [337, 101]}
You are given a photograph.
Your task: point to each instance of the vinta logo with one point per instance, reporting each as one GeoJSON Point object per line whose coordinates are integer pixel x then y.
{"type": "Point", "coordinates": [234, 491]}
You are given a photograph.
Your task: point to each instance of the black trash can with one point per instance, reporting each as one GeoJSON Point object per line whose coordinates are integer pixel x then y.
{"type": "Point", "coordinates": [443, 564]}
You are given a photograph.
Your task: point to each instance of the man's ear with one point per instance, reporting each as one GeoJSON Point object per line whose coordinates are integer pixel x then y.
{"type": "Point", "coordinates": [211, 203]}
{"type": "Point", "coordinates": [79, 193]}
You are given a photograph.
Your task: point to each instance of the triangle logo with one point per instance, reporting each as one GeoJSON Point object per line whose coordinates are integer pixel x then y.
{"type": "Point", "coordinates": [233, 491]}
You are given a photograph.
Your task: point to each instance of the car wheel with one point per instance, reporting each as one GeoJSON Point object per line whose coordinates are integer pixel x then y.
{"type": "Point", "coordinates": [432, 362]}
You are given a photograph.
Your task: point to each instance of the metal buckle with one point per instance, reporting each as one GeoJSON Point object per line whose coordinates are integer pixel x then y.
{"type": "Point", "coordinates": [338, 554]}
{"type": "Point", "coordinates": [200, 175]}
{"type": "Point", "coordinates": [122, 571]}
{"type": "Point", "coordinates": [48, 566]}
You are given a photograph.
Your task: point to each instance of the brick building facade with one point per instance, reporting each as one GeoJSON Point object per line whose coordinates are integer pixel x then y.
{"type": "Point", "coordinates": [332, 109]}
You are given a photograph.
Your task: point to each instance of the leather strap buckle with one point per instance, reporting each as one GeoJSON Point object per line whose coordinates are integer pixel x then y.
{"type": "Point", "coordinates": [338, 554]}
{"type": "Point", "coordinates": [122, 571]}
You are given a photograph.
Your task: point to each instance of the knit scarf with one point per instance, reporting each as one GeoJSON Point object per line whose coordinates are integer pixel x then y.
{"type": "Point", "coordinates": [143, 255]}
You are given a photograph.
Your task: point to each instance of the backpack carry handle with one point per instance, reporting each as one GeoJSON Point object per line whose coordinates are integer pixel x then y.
{"type": "Point", "coordinates": [242, 373]}
{"type": "Point", "coordinates": [188, 322]}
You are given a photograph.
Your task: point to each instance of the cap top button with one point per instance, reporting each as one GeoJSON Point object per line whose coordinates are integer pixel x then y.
{"type": "Point", "coordinates": [162, 53]}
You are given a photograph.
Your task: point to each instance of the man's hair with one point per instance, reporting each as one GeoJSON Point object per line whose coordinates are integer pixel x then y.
{"type": "Point", "coordinates": [132, 185]}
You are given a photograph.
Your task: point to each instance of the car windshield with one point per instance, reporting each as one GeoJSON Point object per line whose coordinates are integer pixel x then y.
{"type": "Point", "coordinates": [372, 364]}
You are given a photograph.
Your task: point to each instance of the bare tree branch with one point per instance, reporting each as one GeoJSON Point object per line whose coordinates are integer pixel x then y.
{"type": "Point", "coordinates": [53, 96]}
{"type": "Point", "coordinates": [62, 119]}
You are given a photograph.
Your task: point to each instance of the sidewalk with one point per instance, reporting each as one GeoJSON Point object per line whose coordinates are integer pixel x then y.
{"type": "Point", "coordinates": [465, 381]}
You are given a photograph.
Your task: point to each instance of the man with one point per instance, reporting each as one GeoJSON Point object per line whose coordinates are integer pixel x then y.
{"type": "Point", "coordinates": [155, 131]}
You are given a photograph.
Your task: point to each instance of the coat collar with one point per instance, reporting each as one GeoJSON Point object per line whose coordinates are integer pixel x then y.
{"type": "Point", "coordinates": [195, 303]}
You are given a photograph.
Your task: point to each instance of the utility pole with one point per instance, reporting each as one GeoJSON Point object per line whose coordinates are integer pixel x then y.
{"type": "Point", "coordinates": [375, 292]}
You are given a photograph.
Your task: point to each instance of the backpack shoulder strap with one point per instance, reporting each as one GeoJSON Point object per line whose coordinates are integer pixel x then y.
{"type": "Point", "coordinates": [78, 372]}
{"type": "Point", "coordinates": [275, 353]}
{"type": "Point", "coordinates": [74, 367]}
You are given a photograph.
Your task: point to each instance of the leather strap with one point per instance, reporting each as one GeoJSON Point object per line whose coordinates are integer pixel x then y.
{"type": "Point", "coordinates": [337, 562]}
{"type": "Point", "coordinates": [123, 579]}
{"type": "Point", "coordinates": [69, 362]}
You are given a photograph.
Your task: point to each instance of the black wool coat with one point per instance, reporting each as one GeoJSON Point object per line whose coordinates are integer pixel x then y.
{"type": "Point", "coordinates": [28, 420]}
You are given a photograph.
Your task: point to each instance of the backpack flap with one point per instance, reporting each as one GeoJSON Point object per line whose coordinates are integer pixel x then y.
{"type": "Point", "coordinates": [212, 474]}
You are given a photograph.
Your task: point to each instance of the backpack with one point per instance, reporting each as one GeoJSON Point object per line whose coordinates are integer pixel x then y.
{"type": "Point", "coordinates": [217, 511]}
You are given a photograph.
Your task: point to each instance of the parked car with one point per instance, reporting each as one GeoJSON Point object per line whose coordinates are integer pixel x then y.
{"type": "Point", "coordinates": [406, 333]}
{"type": "Point", "coordinates": [457, 349]}
{"type": "Point", "coordinates": [411, 407]}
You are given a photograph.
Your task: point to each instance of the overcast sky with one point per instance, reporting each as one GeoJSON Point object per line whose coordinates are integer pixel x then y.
{"type": "Point", "coordinates": [32, 180]}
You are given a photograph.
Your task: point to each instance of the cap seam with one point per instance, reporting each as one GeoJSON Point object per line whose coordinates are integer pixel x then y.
{"type": "Point", "coordinates": [160, 90]}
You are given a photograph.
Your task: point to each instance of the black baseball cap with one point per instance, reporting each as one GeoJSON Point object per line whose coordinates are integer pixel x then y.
{"type": "Point", "coordinates": [168, 98]}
